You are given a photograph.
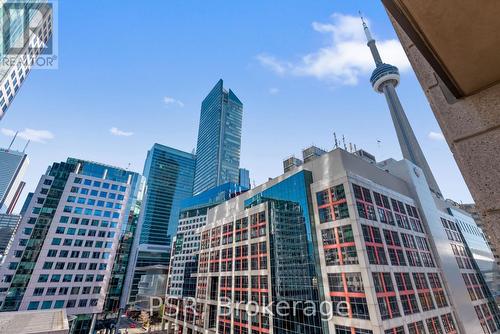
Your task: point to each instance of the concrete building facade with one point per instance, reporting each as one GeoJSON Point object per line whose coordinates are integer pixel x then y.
{"type": "Point", "coordinates": [64, 248]}
{"type": "Point", "coordinates": [453, 51]}
{"type": "Point", "coordinates": [344, 231]}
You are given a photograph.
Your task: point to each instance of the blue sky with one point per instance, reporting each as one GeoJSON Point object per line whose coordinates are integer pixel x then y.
{"type": "Point", "coordinates": [134, 73]}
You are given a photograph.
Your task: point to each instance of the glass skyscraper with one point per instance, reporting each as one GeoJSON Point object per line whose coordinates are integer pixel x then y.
{"type": "Point", "coordinates": [219, 139]}
{"type": "Point", "coordinates": [170, 176]}
{"type": "Point", "coordinates": [169, 173]}
{"type": "Point", "coordinates": [70, 234]}
{"type": "Point", "coordinates": [12, 167]}
{"type": "Point", "coordinates": [20, 45]}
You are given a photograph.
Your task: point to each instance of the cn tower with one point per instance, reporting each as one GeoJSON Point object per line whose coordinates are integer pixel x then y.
{"type": "Point", "coordinates": [384, 80]}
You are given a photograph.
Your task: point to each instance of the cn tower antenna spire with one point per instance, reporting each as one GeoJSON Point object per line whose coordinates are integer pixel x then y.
{"type": "Point", "coordinates": [371, 42]}
{"type": "Point", "coordinates": [384, 79]}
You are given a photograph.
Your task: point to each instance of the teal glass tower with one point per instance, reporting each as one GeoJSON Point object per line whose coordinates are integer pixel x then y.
{"type": "Point", "coordinates": [170, 175]}
{"type": "Point", "coordinates": [219, 139]}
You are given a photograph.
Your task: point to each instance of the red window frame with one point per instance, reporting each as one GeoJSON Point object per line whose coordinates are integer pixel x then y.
{"type": "Point", "coordinates": [337, 246]}
{"type": "Point", "coordinates": [371, 243]}
{"type": "Point", "coordinates": [364, 202]}
{"type": "Point", "coordinates": [348, 295]}
{"type": "Point", "coordinates": [387, 293]}
{"type": "Point", "coordinates": [406, 292]}
{"type": "Point", "coordinates": [331, 204]}
{"type": "Point", "coordinates": [424, 292]}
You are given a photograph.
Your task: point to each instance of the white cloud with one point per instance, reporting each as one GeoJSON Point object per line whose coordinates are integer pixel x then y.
{"type": "Point", "coordinates": [438, 136]}
{"type": "Point", "coordinates": [39, 136]}
{"type": "Point", "coordinates": [171, 101]}
{"type": "Point", "coordinates": [346, 56]}
{"type": "Point", "coordinates": [274, 90]}
{"type": "Point", "coordinates": [274, 64]}
{"type": "Point", "coordinates": [117, 132]}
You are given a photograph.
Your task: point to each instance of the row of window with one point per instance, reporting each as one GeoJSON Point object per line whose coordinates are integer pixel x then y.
{"type": "Point", "coordinates": [58, 304]}
{"type": "Point", "coordinates": [85, 211]}
{"type": "Point", "coordinates": [406, 216]}
{"type": "Point", "coordinates": [85, 232]}
{"type": "Point", "coordinates": [48, 265]}
{"type": "Point", "coordinates": [56, 278]}
{"type": "Point", "coordinates": [76, 290]}
{"type": "Point", "coordinates": [416, 248]}
{"type": "Point", "coordinates": [98, 184]}
{"type": "Point", "coordinates": [78, 254]}
{"type": "Point", "coordinates": [93, 202]}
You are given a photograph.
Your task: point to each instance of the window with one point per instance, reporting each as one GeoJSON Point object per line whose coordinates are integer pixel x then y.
{"type": "Point", "coordinates": [332, 204]}
{"type": "Point", "coordinates": [424, 294]}
{"type": "Point", "coordinates": [48, 265]}
{"type": "Point", "coordinates": [339, 247]}
{"type": "Point", "coordinates": [374, 245]}
{"type": "Point", "coordinates": [434, 326]}
{"type": "Point", "coordinates": [59, 304]}
{"type": "Point", "coordinates": [394, 248]}
{"type": "Point", "coordinates": [33, 306]}
{"type": "Point", "coordinates": [55, 278]}
{"type": "Point", "coordinates": [395, 330]}
{"type": "Point", "coordinates": [364, 203]}
{"type": "Point", "coordinates": [386, 296]}
{"type": "Point", "coordinates": [406, 293]}
{"type": "Point", "coordinates": [437, 289]}
{"type": "Point", "coordinates": [347, 292]}
{"type": "Point", "coordinates": [416, 328]}
{"type": "Point", "coordinates": [383, 208]}
{"type": "Point", "coordinates": [448, 323]}
{"type": "Point", "coordinates": [38, 291]}
{"type": "Point", "coordinates": [46, 304]}
{"type": "Point", "coordinates": [350, 330]}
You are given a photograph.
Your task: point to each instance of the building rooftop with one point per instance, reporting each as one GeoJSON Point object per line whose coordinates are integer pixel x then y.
{"type": "Point", "coordinates": [34, 322]}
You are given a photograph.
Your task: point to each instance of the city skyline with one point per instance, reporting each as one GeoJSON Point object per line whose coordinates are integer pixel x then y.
{"type": "Point", "coordinates": [267, 79]}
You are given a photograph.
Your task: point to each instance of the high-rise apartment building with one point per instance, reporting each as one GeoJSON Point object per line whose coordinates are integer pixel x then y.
{"type": "Point", "coordinates": [169, 175]}
{"type": "Point", "coordinates": [13, 165]}
{"type": "Point", "coordinates": [371, 241]}
{"type": "Point", "coordinates": [8, 225]}
{"type": "Point", "coordinates": [184, 259]}
{"type": "Point", "coordinates": [64, 249]}
{"type": "Point", "coordinates": [123, 267]}
{"type": "Point", "coordinates": [219, 139]}
{"type": "Point", "coordinates": [26, 30]}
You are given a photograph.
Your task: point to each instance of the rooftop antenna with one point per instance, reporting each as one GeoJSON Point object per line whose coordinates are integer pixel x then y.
{"type": "Point", "coordinates": [355, 148]}
{"type": "Point", "coordinates": [336, 141]}
{"type": "Point", "coordinates": [371, 42]}
{"type": "Point", "coordinates": [343, 140]}
{"type": "Point", "coordinates": [13, 139]}
{"type": "Point", "coordinates": [128, 166]}
{"type": "Point", "coordinates": [350, 147]}
{"type": "Point", "coordinates": [26, 146]}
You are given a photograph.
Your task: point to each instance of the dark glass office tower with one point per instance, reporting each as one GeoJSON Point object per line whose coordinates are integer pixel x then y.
{"type": "Point", "coordinates": [219, 139]}
{"type": "Point", "coordinates": [170, 175]}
